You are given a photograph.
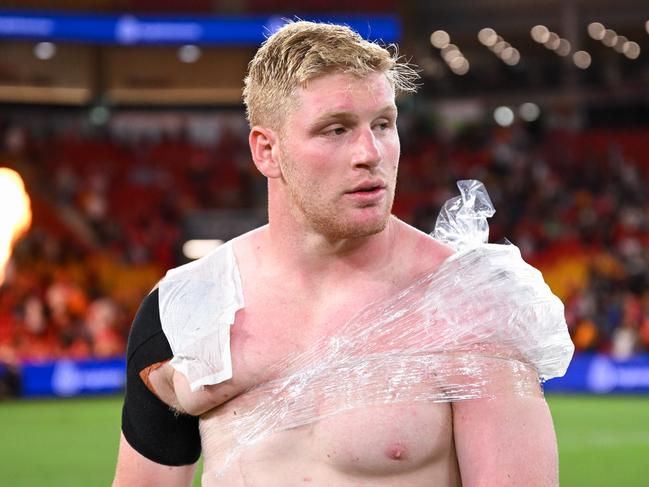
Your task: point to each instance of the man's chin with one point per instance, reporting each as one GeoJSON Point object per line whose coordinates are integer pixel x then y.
{"type": "Point", "coordinates": [358, 228]}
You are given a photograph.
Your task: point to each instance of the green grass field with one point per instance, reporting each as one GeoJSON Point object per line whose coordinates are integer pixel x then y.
{"type": "Point", "coordinates": [603, 441]}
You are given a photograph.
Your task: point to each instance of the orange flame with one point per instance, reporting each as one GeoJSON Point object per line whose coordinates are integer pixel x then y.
{"type": "Point", "coordinates": [15, 214]}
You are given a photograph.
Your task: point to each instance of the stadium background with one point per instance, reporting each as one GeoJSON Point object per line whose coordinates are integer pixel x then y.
{"type": "Point", "coordinates": [132, 145]}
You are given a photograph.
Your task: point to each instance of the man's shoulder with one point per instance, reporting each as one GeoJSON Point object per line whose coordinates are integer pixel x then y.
{"type": "Point", "coordinates": [421, 248]}
{"type": "Point", "coordinates": [205, 268]}
{"type": "Point", "coordinates": [215, 263]}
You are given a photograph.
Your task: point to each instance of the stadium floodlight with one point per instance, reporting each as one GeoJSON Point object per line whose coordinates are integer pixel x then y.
{"type": "Point", "coordinates": [631, 50]}
{"type": "Point", "coordinates": [511, 56]}
{"type": "Point", "coordinates": [596, 30]}
{"type": "Point", "coordinates": [540, 34]}
{"type": "Point", "coordinates": [500, 47]}
{"type": "Point", "coordinates": [195, 249]}
{"type": "Point", "coordinates": [529, 111]}
{"type": "Point", "coordinates": [581, 59]}
{"type": "Point", "coordinates": [495, 41]}
{"type": "Point", "coordinates": [461, 66]}
{"type": "Point", "coordinates": [440, 39]}
{"type": "Point", "coordinates": [564, 48]}
{"type": "Point", "coordinates": [99, 115]}
{"type": "Point", "coordinates": [45, 50]}
{"type": "Point", "coordinates": [619, 44]}
{"type": "Point", "coordinates": [457, 62]}
{"type": "Point", "coordinates": [449, 52]}
{"type": "Point", "coordinates": [504, 116]}
{"type": "Point", "coordinates": [487, 36]}
{"type": "Point", "coordinates": [553, 41]}
{"type": "Point", "coordinates": [189, 53]}
{"type": "Point", "coordinates": [610, 38]}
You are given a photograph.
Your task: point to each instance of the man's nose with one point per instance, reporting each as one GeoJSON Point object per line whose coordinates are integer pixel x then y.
{"type": "Point", "coordinates": [366, 150]}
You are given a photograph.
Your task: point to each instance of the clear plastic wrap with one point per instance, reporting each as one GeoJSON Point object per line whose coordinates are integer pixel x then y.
{"type": "Point", "coordinates": [462, 221]}
{"type": "Point", "coordinates": [475, 327]}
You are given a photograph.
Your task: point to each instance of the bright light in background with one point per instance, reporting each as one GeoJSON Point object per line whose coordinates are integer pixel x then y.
{"type": "Point", "coordinates": [631, 50]}
{"type": "Point", "coordinates": [195, 249]}
{"type": "Point", "coordinates": [44, 50]}
{"type": "Point", "coordinates": [189, 53]}
{"type": "Point", "coordinates": [459, 65]}
{"type": "Point", "coordinates": [529, 111]}
{"type": "Point", "coordinates": [487, 36]}
{"type": "Point", "coordinates": [553, 41]}
{"type": "Point", "coordinates": [450, 52]}
{"type": "Point", "coordinates": [439, 39]}
{"type": "Point", "coordinates": [499, 46]}
{"type": "Point", "coordinates": [610, 38]}
{"type": "Point", "coordinates": [495, 41]}
{"type": "Point", "coordinates": [504, 116]}
{"type": "Point", "coordinates": [619, 43]}
{"type": "Point", "coordinates": [581, 59]}
{"type": "Point", "coordinates": [99, 115]}
{"type": "Point", "coordinates": [596, 31]}
{"type": "Point", "coordinates": [511, 56]}
{"type": "Point", "coordinates": [16, 214]}
{"type": "Point", "coordinates": [564, 47]}
{"type": "Point", "coordinates": [540, 34]}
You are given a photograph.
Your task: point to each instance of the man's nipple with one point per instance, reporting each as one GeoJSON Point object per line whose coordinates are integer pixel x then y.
{"type": "Point", "coordinates": [396, 452]}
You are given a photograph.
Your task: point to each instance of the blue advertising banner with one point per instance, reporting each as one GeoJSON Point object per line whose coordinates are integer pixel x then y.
{"type": "Point", "coordinates": [601, 374]}
{"type": "Point", "coordinates": [131, 29]}
{"type": "Point", "coordinates": [66, 378]}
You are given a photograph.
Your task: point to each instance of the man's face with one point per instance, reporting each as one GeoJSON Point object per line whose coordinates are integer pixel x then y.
{"type": "Point", "coordinates": [339, 153]}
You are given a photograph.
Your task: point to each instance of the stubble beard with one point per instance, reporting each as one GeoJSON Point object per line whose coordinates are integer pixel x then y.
{"type": "Point", "coordinates": [326, 218]}
{"type": "Point", "coordinates": [333, 222]}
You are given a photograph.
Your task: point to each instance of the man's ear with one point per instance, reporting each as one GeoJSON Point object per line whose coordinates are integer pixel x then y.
{"type": "Point", "coordinates": [264, 147]}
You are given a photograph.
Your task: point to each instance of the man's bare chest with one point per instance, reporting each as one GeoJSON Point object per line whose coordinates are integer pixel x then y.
{"type": "Point", "coordinates": [278, 336]}
{"type": "Point", "coordinates": [275, 332]}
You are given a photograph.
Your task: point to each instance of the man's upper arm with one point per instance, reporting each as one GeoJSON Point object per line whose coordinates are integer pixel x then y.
{"type": "Point", "coordinates": [506, 440]}
{"type": "Point", "coordinates": [156, 441]}
{"type": "Point", "coordinates": [136, 470]}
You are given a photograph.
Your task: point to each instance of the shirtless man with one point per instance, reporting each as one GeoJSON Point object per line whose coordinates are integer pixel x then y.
{"type": "Point", "coordinates": [321, 105]}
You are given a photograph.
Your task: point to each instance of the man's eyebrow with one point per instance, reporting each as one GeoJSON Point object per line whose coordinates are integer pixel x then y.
{"type": "Point", "coordinates": [332, 116]}
{"type": "Point", "coordinates": [392, 109]}
{"type": "Point", "coordinates": [348, 115]}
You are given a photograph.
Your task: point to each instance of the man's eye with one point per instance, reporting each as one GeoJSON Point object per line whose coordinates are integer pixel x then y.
{"type": "Point", "coordinates": [383, 126]}
{"type": "Point", "coordinates": [339, 130]}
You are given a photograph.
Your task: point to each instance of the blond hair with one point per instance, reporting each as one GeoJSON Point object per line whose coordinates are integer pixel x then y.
{"type": "Point", "coordinates": [301, 51]}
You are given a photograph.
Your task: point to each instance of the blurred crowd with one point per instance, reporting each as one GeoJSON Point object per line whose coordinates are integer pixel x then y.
{"type": "Point", "coordinates": [575, 203]}
{"type": "Point", "coordinates": [109, 203]}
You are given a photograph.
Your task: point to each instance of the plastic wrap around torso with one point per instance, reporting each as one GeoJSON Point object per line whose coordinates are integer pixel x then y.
{"type": "Point", "coordinates": [484, 314]}
{"type": "Point", "coordinates": [484, 301]}
{"type": "Point", "coordinates": [444, 338]}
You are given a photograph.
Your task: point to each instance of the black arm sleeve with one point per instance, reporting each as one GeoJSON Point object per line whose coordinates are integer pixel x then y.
{"type": "Point", "coordinates": [149, 425]}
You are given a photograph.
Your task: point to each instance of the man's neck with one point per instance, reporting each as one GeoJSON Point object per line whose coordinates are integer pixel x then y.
{"type": "Point", "coordinates": [315, 257]}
